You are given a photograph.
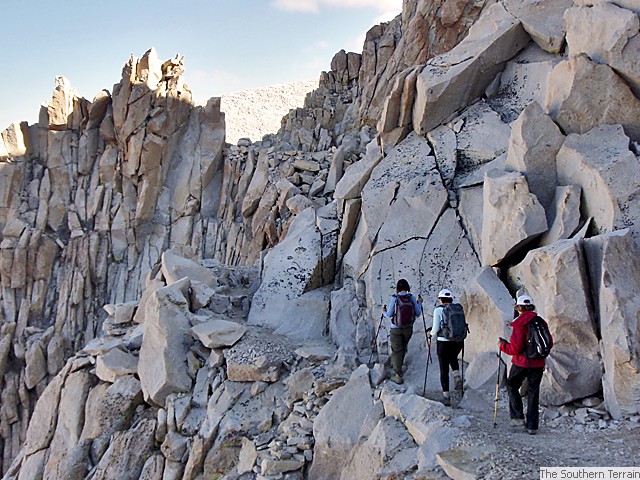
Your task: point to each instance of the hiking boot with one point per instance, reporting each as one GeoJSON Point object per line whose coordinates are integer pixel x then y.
{"type": "Point", "coordinates": [457, 383]}
{"type": "Point", "coordinates": [531, 431]}
{"type": "Point", "coordinates": [446, 401]}
{"type": "Point", "coordinates": [517, 422]}
{"type": "Point", "coordinates": [397, 379]}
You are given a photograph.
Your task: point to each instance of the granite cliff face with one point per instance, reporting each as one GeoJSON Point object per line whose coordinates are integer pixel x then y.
{"type": "Point", "coordinates": [174, 306]}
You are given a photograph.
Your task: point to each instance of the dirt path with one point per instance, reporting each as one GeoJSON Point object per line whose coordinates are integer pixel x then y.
{"type": "Point", "coordinates": [572, 436]}
{"type": "Point", "coordinates": [561, 442]}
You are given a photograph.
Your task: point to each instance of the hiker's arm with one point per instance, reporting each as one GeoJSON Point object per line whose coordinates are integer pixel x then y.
{"type": "Point", "coordinates": [390, 308]}
{"type": "Point", "coordinates": [516, 343]}
{"type": "Point", "coordinates": [417, 306]}
{"type": "Point", "coordinates": [437, 318]}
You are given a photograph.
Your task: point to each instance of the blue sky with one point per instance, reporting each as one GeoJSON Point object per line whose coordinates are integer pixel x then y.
{"type": "Point", "coordinates": [229, 45]}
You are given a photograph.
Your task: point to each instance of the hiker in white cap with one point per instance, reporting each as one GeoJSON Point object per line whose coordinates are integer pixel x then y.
{"type": "Point", "coordinates": [525, 363]}
{"type": "Point", "coordinates": [450, 329]}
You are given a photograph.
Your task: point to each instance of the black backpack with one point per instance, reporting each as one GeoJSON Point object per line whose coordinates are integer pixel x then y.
{"type": "Point", "coordinates": [454, 325]}
{"type": "Point", "coordinates": [405, 313]}
{"type": "Point", "coordinates": [538, 339]}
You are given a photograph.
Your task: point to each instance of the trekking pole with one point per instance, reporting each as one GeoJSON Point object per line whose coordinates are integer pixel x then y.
{"type": "Point", "coordinates": [426, 372]}
{"type": "Point", "coordinates": [426, 335]}
{"type": "Point", "coordinates": [495, 408]}
{"type": "Point", "coordinates": [374, 347]}
{"type": "Point", "coordinates": [462, 371]}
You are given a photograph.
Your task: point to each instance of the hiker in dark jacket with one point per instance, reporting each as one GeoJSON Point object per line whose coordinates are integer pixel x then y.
{"type": "Point", "coordinates": [448, 350]}
{"type": "Point", "coordinates": [523, 368]}
{"type": "Point", "coordinates": [401, 304]}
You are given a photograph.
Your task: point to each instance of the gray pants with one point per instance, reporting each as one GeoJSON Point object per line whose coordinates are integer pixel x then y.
{"type": "Point", "coordinates": [399, 339]}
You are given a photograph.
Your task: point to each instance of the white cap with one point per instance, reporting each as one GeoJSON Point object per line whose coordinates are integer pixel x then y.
{"type": "Point", "coordinates": [444, 293]}
{"type": "Point", "coordinates": [524, 300]}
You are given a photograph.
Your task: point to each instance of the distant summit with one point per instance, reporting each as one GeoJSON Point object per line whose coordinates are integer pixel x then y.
{"type": "Point", "coordinates": [255, 113]}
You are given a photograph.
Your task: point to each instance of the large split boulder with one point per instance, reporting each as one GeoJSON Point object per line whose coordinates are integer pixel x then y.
{"type": "Point", "coordinates": [489, 310]}
{"type": "Point", "coordinates": [582, 95]}
{"type": "Point", "coordinates": [533, 146]}
{"type": "Point", "coordinates": [356, 176]}
{"type": "Point", "coordinates": [600, 162]}
{"type": "Point", "coordinates": [556, 278]}
{"type": "Point", "coordinates": [608, 34]}
{"type": "Point", "coordinates": [337, 427]}
{"type": "Point", "coordinates": [543, 21]}
{"type": "Point", "coordinates": [564, 214]}
{"type": "Point", "coordinates": [388, 451]}
{"type": "Point", "coordinates": [615, 277]}
{"type": "Point", "coordinates": [167, 338]}
{"type": "Point", "coordinates": [511, 218]}
{"type": "Point", "coordinates": [306, 317]}
{"type": "Point", "coordinates": [453, 80]}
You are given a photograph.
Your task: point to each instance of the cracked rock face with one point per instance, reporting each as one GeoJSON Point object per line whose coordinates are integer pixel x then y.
{"type": "Point", "coordinates": [132, 321]}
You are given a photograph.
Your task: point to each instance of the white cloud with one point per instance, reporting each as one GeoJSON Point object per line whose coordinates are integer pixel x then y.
{"type": "Point", "coordinates": [307, 6]}
{"type": "Point", "coordinates": [387, 16]}
{"type": "Point", "coordinates": [318, 45]}
{"type": "Point", "coordinates": [314, 6]}
{"type": "Point", "coordinates": [356, 44]}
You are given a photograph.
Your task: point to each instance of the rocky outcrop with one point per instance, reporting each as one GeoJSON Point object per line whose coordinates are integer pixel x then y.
{"type": "Point", "coordinates": [446, 86]}
{"type": "Point", "coordinates": [544, 23]}
{"type": "Point", "coordinates": [614, 276]}
{"type": "Point", "coordinates": [583, 94]}
{"type": "Point", "coordinates": [512, 216]}
{"type": "Point", "coordinates": [611, 38]}
{"type": "Point", "coordinates": [392, 50]}
{"type": "Point", "coordinates": [596, 161]}
{"type": "Point", "coordinates": [533, 146]}
{"type": "Point", "coordinates": [313, 239]}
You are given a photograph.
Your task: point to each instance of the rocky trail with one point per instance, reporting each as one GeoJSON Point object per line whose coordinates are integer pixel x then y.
{"type": "Point", "coordinates": [578, 435]}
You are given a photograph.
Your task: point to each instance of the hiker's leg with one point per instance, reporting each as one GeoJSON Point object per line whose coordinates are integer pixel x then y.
{"type": "Point", "coordinates": [397, 353]}
{"type": "Point", "coordinates": [514, 380]}
{"type": "Point", "coordinates": [534, 375]}
{"type": "Point", "coordinates": [443, 362]}
{"type": "Point", "coordinates": [454, 350]}
{"type": "Point", "coordinates": [406, 336]}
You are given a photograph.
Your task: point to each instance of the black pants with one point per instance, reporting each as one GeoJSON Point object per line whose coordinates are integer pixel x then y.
{"type": "Point", "coordinates": [399, 339]}
{"type": "Point", "coordinates": [448, 357]}
{"type": "Point", "coordinates": [517, 375]}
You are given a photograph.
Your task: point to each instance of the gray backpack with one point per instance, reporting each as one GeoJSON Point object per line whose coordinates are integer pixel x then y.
{"type": "Point", "coordinates": [454, 325]}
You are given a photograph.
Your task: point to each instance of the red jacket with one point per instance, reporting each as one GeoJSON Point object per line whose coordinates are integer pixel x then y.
{"type": "Point", "coordinates": [518, 342]}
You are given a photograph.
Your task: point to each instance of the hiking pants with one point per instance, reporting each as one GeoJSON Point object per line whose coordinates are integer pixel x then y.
{"type": "Point", "coordinates": [399, 339]}
{"type": "Point", "coordinates": [517, 375]}
{"type": "Point", "coordinates": [448, 357]}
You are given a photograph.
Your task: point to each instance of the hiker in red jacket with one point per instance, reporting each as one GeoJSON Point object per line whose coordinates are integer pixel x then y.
{"type": "Point", "coordinates": [523, 368]}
